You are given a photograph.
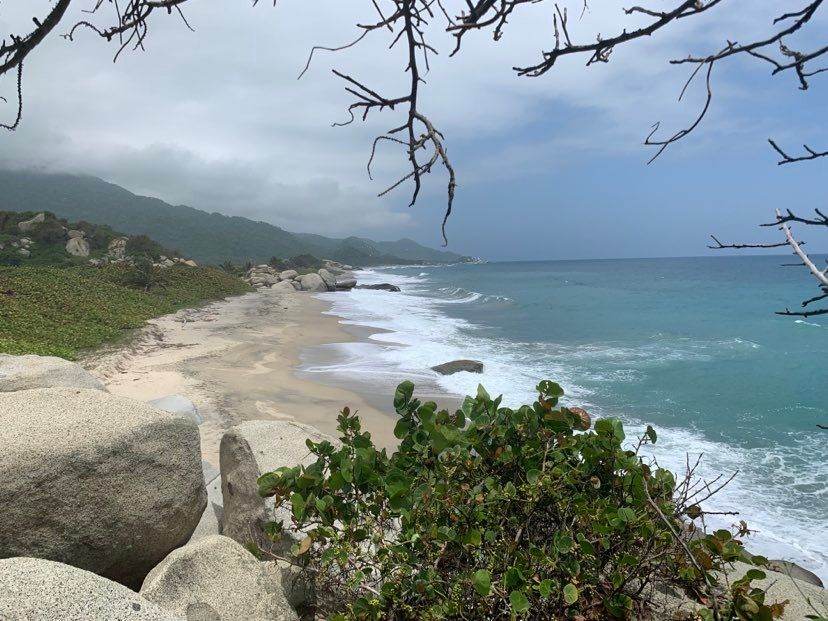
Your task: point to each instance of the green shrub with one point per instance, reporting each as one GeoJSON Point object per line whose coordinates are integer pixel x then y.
{"type": "Point", "coordinates": [495, 513]}
{"type": "Point", "coordinates": [64, 311]}
{"type": "Point", "coordinates": [143, 246]}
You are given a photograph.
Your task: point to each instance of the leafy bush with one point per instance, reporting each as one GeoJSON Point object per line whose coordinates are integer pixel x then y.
{"type": "Point", "coordinates": [495, 513]}
{"type": "Point", "coordinates": [143, 246]}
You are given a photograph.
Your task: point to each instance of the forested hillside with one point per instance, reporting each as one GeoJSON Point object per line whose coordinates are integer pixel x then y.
{"type": "Point", "coordinates": [207, 237]}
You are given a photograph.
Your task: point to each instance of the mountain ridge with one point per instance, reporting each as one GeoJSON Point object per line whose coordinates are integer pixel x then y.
{"type": "Point", "coordinates": [207, 237]}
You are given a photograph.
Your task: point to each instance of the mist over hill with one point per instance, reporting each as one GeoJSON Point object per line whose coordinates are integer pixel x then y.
{"type": "Point", "coordinates": [206, 237]}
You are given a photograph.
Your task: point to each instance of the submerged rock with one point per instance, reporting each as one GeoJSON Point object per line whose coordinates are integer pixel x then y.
{"type": "Point", "coordinates": [380, 287]}
{"type": "Point", "coordinates": [33, 589]}
{"type": "Point", "coordinates": [346, 284]}
{"type": "Point", "coordinates": [27, 372]}
{"type": "Point", "coordinates": [218, 576]}
{"type": "Point", "coordinates": [97, 481]}
{"type": "Point", "coordinates": [456, 366]}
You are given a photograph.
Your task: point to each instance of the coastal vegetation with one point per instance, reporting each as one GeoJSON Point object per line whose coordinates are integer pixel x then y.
{"type": "Point", "coordinates": [63, 311]}
{"type": "Point", "coordinates": [495, 513]}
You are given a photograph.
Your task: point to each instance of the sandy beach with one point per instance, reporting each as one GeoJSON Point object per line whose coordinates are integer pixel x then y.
{"type": "Point", "coordinates": [235, 360]}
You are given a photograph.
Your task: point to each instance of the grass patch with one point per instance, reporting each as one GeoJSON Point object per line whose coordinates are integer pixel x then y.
{"type": "Point", "coordinates": [63, 311]}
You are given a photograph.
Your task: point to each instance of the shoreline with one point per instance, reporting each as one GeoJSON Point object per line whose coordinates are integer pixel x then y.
{"type": "Point", "coordinates": [237, 359]}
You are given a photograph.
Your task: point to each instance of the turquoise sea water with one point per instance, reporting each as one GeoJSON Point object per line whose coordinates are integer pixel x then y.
{"type": "Point", "coordinates": [690, 346]}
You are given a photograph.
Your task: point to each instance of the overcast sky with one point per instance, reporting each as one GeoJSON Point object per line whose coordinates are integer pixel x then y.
{"type": "Point", "coordinates": [550, 167]}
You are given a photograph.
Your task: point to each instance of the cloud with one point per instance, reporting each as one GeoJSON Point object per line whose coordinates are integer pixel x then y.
{"type": "Point", "coordinates": [216, 119]}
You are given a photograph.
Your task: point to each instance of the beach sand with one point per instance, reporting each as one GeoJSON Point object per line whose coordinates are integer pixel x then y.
{"type": "Point", "coordinates": [235, 360]}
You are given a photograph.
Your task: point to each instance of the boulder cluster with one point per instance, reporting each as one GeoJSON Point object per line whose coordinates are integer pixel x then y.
{"type": "Point", "coordinates": [265, 276]}
{"type": "Point", "coordinates": [23, 245]}
{"type": "Point", "coordinates": [110, 512]}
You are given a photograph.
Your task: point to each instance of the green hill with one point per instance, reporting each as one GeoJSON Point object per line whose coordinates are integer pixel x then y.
{"type": "Point", "coordinates": [206, 237]}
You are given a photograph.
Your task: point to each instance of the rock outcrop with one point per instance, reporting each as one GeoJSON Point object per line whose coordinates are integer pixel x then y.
{"type": "Point", "coordinates": [77, 247]}
{"type": "Point", "coordinates": [28, 225]}
{"type": "Point", "coordinates": [456, 366]}
{"type": "Point", "coordinates": [117, 248]}
{"type": "Point", "coordinates": [248, 451]}
{"type": "Point", "coordinates": [219, 573]}
{"type": "Point", "coordinates": [27, 372]}
{"type": "Point", "coordinates": [100, 482]}
{"type": "Point", "coordinates": [34, 589]}
{"type": "Point", "coordinates": [312, 282]}
{"type": "Point", "coordinates": [288, 274]}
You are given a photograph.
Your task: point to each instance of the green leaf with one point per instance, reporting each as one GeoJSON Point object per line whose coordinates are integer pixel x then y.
{"type": "Point", "coordinates": [513, 577]}
{"type": "Point", "coordinates": [570, 594]}
{"type": "Point", "coordinates": [651, 434]}
{"type": "Point", "coordinates": [545, 587]}
{"type": "Point", "coordinates": [533, 475]}
{"type": "Point", "coordinates": [550, 390]}
{"type": "Point", "coordinates": [518, 601]}
{"type": "Point", "coordinates": [482, 582]}
{"type": "Point", "coordinates": [473, 538]}
{"type": "Point", "coordinates": [402, 428]}
{"type": "Point", "coordinates": [403, 394]}
{"type": "Point", "coordinates": [297, 505]}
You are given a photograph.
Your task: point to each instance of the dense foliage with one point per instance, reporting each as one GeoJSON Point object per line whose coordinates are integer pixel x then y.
{"type": "Point", "coordinates": [495, 513]}
{"type": "Point", "coordinates": [62, 311]}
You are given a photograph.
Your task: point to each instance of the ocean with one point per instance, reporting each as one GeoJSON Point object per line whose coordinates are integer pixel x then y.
{"type": "Point", "coordinates": [688, 345]}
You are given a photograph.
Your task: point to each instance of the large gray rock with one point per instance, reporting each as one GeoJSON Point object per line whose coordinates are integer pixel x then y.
{"type": "Point", "coordinates": [248, 451]}
{"type": "Point", "coordinates": [28, 225]}
{"type": "Point", "coordinates": [71, 234]}
{"type": "Point", "coordinates": [312, 282]}
{"type": "Point", "coordinates": [285, 286]}
{"type": "Point", "coordinates": [288, 274]}
{"type": "Point", "coordinates": [100, 482]}
{"type": "Point", "coordinates": [219, 573]}
{"type": "Point", "coordinates": [77, 247]}
{"type": "Point", "coordinates": [34, 589]}
{"type": "Point", "coordinates": [456, 366]}
{"type": "Point", "coordinates": [26, 372]}
{"type": "Point", "coordinates": [328, 278]}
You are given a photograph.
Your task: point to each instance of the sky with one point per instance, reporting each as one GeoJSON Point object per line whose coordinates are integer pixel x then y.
{"type": "Point", "coordinates": [548, 168]}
